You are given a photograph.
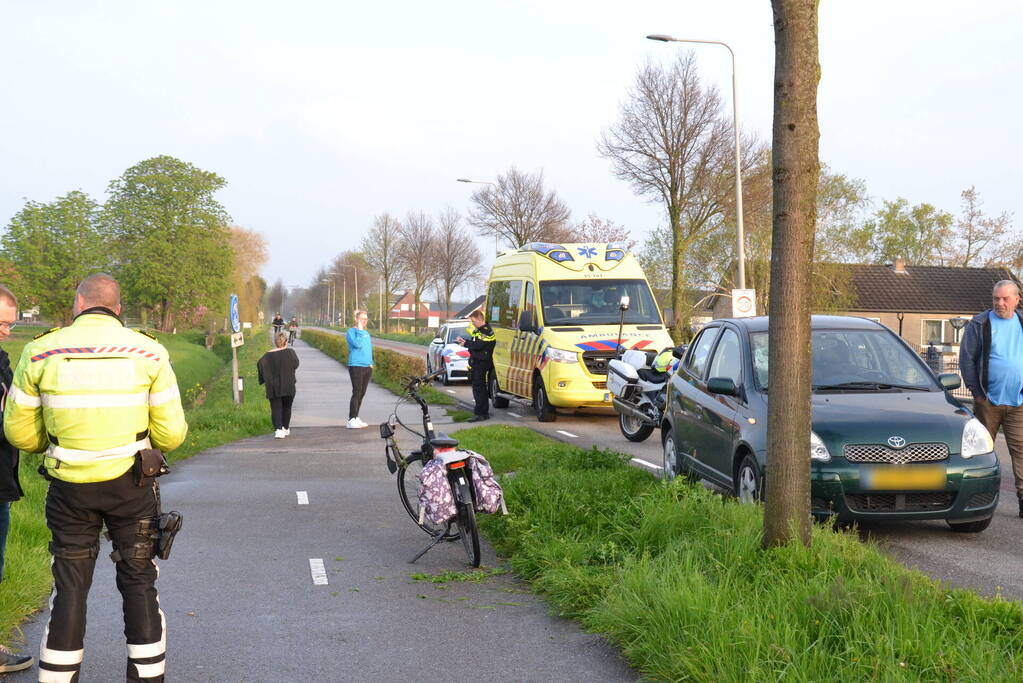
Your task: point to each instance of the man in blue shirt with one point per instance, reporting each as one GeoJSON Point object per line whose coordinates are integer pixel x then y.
{"type": "Point", "coordinates": [991, 364]}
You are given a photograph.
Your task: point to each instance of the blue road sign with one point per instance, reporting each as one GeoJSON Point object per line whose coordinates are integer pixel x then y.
{"type": "Point", "coordinates": [236, 323]}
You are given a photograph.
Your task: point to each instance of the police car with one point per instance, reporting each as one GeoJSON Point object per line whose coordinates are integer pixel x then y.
{"type": "Point", "coordinates": [444, 352]}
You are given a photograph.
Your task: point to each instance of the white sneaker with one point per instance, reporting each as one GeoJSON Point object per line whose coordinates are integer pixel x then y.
{"type": "Point", "coordinates": [279, 434]}
{"type": "Point", "coordinates": [287, 432]}
{"type": "Point", "coordinates": [362, 425]}
{"type": "Point", "coordinates": [353, 423]}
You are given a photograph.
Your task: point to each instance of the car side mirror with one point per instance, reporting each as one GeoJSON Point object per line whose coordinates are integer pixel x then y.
{"type": "Point", "coordinates": [437, 340]}
{"type": "Point", "coordinates": [680, 350]}
{"type": "Point", "coordinates": [722, 385]}
{"type": "Point", "coordinates": [949, 381]}
{"type": "Point", "coordinates": [527, 322]}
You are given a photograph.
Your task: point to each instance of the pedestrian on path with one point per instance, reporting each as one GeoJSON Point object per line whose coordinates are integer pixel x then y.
{"type": "Point", "coordinates": [277, 371]}
{"type": "Point", "coordinates": [480, 344]}
{"type": "Point", "coordinates": [96, 419]}
{"type": "Point", "coordinates": [10, 486]}
{"type": "Point", "coordinates": [360, 366]}
{"type": "Point", "coordinates": [991, 363]}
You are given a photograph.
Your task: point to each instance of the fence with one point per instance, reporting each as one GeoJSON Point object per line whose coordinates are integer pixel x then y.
{"type": "Point", "coordinates": [939, 363]}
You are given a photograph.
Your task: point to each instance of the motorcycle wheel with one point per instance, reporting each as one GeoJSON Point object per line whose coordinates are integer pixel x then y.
{"type": "Point", "coordinates": [633, 429]}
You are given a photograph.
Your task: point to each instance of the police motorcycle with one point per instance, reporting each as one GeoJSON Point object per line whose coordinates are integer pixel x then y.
{"type": "Point", "coordinates": [638, 383]}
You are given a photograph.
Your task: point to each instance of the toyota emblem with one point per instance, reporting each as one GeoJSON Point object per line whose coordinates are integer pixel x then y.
{"type": "Point", "coordinates": [896, 441]}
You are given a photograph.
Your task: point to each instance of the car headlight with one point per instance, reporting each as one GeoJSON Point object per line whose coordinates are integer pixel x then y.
{"type": "Point", "coordinates": [976, 439]}
{"type": "Point", "coordinates": [559, 356]}
{"type": "Point", "coordinates": [818, 451]}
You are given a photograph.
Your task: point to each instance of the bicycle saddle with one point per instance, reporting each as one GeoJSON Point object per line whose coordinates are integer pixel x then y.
{"type": "Point", "coordinates": [441, 440]}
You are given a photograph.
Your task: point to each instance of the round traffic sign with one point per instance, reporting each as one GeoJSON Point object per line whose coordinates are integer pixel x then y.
{"type": "Point", "coordinates": [236, 323]}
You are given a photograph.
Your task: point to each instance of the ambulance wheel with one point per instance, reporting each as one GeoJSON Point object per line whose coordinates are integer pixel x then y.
{"type": "Point", "coordinates": [544, 410]}
{"type": "Point", "coordinates": [498, 401]}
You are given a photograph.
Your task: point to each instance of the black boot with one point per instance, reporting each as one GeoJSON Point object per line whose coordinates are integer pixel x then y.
{"type": "Point", "coordinates": [1019, 499]}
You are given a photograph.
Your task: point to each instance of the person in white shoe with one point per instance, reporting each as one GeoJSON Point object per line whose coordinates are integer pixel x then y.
{"type": "Point", "coordinates": [277, 371]}
{"type": "Point", "coordinates": [360, 366]}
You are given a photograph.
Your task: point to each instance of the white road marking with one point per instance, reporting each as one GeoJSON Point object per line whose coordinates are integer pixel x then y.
{"type": "Point", "coordinates": [318, 571]}
{"type": "Point", "coordinates": [450, 391]}
{"type": "Point", "coordinates": [648, 464]}
{"type": "Point", "coordinates": [303, 497]}
{"type": "Point", "coordinates": [569, 434]}
{"type": "Point", "coordinates": [514, 414]}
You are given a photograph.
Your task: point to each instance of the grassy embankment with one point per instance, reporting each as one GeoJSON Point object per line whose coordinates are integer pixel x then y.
{"type": "Point", "coordinates": [421, 339]}
{"type": "Point", "coordinates": [204, 379]}
{"type": "Point", "coordinates": [675, 575]}
{"type": "Point", "coordinates": [388, 366]}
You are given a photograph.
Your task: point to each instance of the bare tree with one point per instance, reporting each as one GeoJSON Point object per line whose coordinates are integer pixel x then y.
{"type": "Point", "coordinates": [352, 279]}
{"type": "Point", "coordinates": [518, 209]}
{"type": "Point", "coordinates": [456, 256]}
{"type": "Point", "coordinates": [596, 229]}
{"type": "Point", "coordinates": [672, 145]}
{"type": "Point", "coordinates": [977, 237]}
{"type": "Point", "coordinates": [379, 248]}
{"type": "Point", "coordinates": [275, 298]}
{"type": "Point", "coordinates": [415, 249]}
{"type": "Point", "coordinates": [796, 174]}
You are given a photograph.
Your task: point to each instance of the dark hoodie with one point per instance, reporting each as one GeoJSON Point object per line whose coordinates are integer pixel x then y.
{"type": "Point", "coordinates": [974, 351]}
{"type": "Point", "coordinates": [10, 487]}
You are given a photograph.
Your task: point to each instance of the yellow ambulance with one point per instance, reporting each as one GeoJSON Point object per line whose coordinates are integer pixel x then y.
{"type": "Point", "coordinates": [555, 312]}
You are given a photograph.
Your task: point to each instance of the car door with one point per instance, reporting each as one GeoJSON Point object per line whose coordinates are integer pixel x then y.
{"type": "Point", "coordinates": [685, 387]}
{"type": "Point", "coordinates": [435, 349]}
{"type": "Point", "coordinates": [716, 413]}
{"type": "Point", "coordinates": [524, 346]}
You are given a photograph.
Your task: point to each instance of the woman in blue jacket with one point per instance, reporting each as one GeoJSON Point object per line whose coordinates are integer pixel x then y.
{"type": "Point", "coordinates": [360, 366]}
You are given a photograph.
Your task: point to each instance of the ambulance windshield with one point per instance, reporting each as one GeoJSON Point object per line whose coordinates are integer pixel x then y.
{"type": "Point", "coordinates": [595, 302]}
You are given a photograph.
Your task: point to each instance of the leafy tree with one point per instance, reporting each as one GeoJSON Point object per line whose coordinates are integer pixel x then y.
{"type": "Point", "coordinates": [380, 249]}
{"type": "Point", "coordinates": [249, 254]}
{"type": "Point", "coordinates": [519, 209]}
{"type": "Point", "coordinates": [275, 299]}
{"type": "Point", "coordinates": [53, 247]}
{"type": "Point", "coordinates": [796, 171]}
{"type": "Point", "coordinates": [916, 233]}
{"type": "Point", "coordinates": [173, 245]}
{"type": "Point", "coordinates": [596, 229]}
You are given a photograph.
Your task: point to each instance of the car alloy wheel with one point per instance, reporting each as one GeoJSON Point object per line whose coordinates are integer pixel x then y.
{"type": "Point", "coordinates": [670, 458]}
{"type": "Point", "coordinates": [747, 481]}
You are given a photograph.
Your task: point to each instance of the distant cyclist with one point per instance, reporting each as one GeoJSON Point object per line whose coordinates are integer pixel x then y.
{"type": "Point", "coordinates": [292, 331]}
{"type": "Point", "coordinates": [278, 323]}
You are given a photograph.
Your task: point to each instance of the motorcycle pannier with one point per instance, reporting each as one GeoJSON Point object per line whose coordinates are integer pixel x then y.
{"type": "Point", "coordinates": [621, 378]}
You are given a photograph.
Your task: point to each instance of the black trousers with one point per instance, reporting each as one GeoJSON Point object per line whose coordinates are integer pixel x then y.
{"type": "Point", "coordinates": [74, 514]}
{"type": "Point", "coordinates": [479, 376]}
{"type": "Point", "coordinates": [280, 411]}
{"type": "Point", "coordinates": [360, 380]}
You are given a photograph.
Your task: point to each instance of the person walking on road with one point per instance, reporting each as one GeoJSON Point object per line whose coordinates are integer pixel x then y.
{"type": "Point", "coordinates": [10, 486]}
{"type": "Point", "coordinates": [360, 366]}
{"type": "Point", "coordinates": [480, 344]}
{"type": "Point", "coordinates": [277, 371]}
{"type": "Point", "coordinates": [98, 419]}
{"type": "Point", "coordinates": [991, 364]}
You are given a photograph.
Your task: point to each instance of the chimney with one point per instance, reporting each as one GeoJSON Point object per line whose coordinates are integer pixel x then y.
{"type": "Point", "coordinates": [900, 265]}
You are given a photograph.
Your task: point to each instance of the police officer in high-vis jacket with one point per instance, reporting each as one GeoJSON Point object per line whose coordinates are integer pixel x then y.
{"type": "Point", "coordinates": [92, 395]}
{"type": "Point", "coordinates": [480, 344]}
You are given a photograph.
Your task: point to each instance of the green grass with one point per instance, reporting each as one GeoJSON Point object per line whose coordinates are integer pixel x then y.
{"type": "Point", "coordinates": [675, 575]}
{"type": "Point", "coordinates": [389, 367]}
{"type": "Point", "coordinates": [422, 339]}
{"type": "Point", "coordinates": [205, 383]}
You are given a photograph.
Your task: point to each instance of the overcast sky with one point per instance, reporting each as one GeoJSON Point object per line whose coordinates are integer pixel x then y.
{"type": "Point", "coordinates": [321, 115]}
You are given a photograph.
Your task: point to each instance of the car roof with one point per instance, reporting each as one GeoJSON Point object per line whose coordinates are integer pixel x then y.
{"type": "Point", "coordinates": [817, 322]}
{"type": "Point", "coordinates": [456, 321]}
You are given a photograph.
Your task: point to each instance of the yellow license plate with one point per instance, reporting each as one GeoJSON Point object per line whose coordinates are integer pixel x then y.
{"type": "Point", "coordinates": [907, 477]}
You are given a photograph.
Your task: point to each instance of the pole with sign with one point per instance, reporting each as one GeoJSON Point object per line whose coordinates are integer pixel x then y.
{"type": "Point", "coordinates": [237, 339]}
{"type": "Point", "coordinates": [744, 303]}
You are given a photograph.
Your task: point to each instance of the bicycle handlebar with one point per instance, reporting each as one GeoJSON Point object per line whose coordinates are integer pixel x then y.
{"type": "Point", "coordinates": [412, 383]}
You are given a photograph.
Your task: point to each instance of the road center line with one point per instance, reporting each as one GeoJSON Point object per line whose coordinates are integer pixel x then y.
{"type": "Point", "coordinates": [450, 391]}
{"type": "Point", "coordinates": [303, 497]}
{"type": "Point", "coordinates": [648, 464]}
{"type": "Point", "coordinates": [318, 571]}
{"type": "Point", "coordinates": [568, 434]}
{"type": "Point", "coordinates": [514, 414]}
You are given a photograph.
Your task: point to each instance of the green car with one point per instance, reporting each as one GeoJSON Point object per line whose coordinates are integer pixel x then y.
{"type": "Point", "coordinates": [889, 442]}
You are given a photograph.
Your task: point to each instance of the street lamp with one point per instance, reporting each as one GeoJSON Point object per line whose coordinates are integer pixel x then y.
{"type": "Point", "coordinates": [344, 294]}
{"type": "Point", "coordinates": [740, 241]}
{"type": "Point", "coordinates": [329, 298]}
{"type": "Point", "coordinates": [497, 244]}
{"type": "Point", "coordinates": [958, 323]}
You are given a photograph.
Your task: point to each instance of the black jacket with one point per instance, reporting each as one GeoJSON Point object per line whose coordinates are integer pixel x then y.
{"type": "Point", "coordinates": [277, 372]}
{"type": "Point", "coordinates": [10, 486]}
{"type": "Point", "coordinates": [974, 351]}
{"type": "Point", "coordinates": [481, 344]}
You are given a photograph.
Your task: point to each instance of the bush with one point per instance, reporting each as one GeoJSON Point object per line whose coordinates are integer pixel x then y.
{"type": "Point", "coordinates": [389, 367]}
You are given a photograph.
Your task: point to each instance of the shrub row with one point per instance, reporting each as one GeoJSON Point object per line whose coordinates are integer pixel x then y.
{"type": "Point", "coordinates": [676, 576]}
{"type": "Point", "coordinates": [422, 339]}
{"type": "Point", "coordinates": [389, 367]}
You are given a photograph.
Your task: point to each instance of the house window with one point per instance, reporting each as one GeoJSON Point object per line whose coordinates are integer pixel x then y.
{"type": "Point", "coordinates": [933, 331]}
{"type": "Point", "coordinates": [404, 307]}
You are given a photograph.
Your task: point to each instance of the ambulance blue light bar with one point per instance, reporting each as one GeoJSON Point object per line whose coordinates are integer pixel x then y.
{"type": "Point", "coordinates": [554, 252]}
{"type": "Point", "coordinates": [615, 251]}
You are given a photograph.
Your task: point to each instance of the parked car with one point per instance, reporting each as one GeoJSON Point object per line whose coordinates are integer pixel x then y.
{"type": "Point", "coordinates": [888, 440]}
{"type": "Point", "coordinates": [444, 352]}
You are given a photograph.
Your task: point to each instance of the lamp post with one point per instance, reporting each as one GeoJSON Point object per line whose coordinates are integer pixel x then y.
{"type": "Point", "coordinates": [344, 294]}
{"type": "Point", "coordinates": [958, 323]}
{"type": "Point", "coordinates": [330, 296]}
{"type": "Point", "coordinates": [497, 243]}
{"type": "Point", "coordinates": [740, 239]}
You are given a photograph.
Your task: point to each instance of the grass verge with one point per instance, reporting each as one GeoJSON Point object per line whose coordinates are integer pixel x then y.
{"type": "Point", "coordinates": [388, 366]}
{"type": "Point", "coordinates": [205, 383]}
{"type": "Point", "coordinates": [421, 339]}
{"type": "Point", "coordinates": [675, 575]}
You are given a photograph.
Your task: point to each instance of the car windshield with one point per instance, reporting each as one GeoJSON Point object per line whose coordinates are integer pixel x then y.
{"type": "Point", "coordinates": [595, 302]}
{"type": "Point", "coordinates": [454, 333]}
{"type": "Point", "coordinates": [868, 360]}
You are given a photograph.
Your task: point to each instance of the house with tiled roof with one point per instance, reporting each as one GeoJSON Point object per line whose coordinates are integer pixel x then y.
{"type": "Point", "coordinates": [922, 303]}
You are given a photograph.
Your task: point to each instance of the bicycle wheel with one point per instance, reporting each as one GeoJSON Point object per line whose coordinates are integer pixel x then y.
{"type": "Point", "coordinates": [465, 518]}
{"type": "Point", "coordinates": [408, 491]}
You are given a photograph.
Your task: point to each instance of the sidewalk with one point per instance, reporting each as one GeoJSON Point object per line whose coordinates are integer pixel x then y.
{"type": "Point", "coordinates": [239, 595]}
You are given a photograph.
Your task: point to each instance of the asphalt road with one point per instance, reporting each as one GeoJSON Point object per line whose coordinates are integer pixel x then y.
{"type": "Point", "coordinates": [263, 515]}
{"type": "Point", "coordinates": [988, 563]}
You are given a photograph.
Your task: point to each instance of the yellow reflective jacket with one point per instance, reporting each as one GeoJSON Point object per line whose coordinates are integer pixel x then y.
{"type": "Point", "coordinates": [87, 394]}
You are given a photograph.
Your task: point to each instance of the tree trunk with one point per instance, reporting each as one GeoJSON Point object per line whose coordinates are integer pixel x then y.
{"type": "Point", "coordinates": [795, 175]}
{"type": "Point", "coordinates": [678, 283]}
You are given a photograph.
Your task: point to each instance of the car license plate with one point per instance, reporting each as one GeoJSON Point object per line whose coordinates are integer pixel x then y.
{"type": "Point", "coordinates": [607, 397]}
{"type": "Point", "coordinates": [907, 477]}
